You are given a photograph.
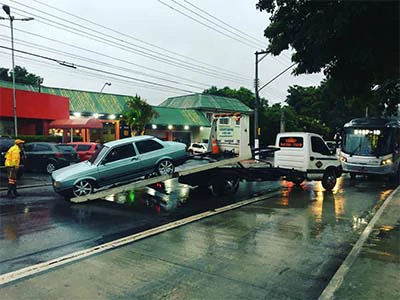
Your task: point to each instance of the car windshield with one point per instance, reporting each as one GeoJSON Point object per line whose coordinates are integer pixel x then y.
{"type": "Point", "coordinates": [368, 141]}
{"type": "Point", "coordinates": [98, 154]}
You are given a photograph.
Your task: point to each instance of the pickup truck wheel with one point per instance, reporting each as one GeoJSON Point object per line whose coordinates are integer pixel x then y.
{"type": "Point", "coordinates": [225, 187]}
{"type": "Point", "coordinates": [82, 188]}
{"type": "Point", "coordinates": [297, 178]}
{"type": "Point", "coordinates": [329, 180]}
{"type": "Point", "coordinates": [50, 167]}
{"type": "Point", "coordinates": [165, 167]}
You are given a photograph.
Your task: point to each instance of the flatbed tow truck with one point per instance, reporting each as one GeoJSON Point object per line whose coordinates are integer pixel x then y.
{"type": "Point", "coordinates": [222, 172]}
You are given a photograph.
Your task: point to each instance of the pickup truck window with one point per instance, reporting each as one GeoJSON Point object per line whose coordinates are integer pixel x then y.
{"type": "Point", "coordinates": [319, 146]}
{"type": "Point", "coordinates": [291, 142]}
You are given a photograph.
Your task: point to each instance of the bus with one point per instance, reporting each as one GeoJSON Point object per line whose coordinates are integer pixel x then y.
{"type": "Point", "coordinates": [371, 146]}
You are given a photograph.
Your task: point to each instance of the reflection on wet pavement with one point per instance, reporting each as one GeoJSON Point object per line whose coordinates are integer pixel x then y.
{"type": "Point", "coordinates": [383, 244]}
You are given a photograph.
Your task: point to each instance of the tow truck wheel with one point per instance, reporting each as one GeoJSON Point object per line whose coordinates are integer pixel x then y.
{"type": "Point", "coordinates": [82, 188]}
{"type": "Point", "coordinates": [329, 180]}
{"type": "Point", "coordinates": [165, 167]}
{"type": "Point", "coordinates": [225, 187]}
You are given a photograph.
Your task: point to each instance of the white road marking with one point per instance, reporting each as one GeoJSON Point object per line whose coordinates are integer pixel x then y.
{"type": "Point", "coordinates": [34, 269]}
{"type": "Point", "coordinates": [337, 279]}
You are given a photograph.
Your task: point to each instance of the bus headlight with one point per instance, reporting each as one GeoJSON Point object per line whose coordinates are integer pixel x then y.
{"type": "Point", "coordinates": [386, 162]}
{"type": "Point", "coordinates": [343, 159]}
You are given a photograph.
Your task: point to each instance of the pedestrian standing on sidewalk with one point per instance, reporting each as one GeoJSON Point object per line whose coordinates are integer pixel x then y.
{"type": "Point", "coordinates": [13, 159]}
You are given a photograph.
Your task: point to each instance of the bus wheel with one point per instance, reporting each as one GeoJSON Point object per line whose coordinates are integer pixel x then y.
{"type": "Point", "coordinates": [329, 180]}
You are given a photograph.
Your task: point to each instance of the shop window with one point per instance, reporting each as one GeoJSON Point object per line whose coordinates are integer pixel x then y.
{"type": "Point", "coordinates": [224, 121]}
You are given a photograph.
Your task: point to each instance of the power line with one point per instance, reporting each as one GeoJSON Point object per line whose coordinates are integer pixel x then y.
{"type": "Point", "coordinates": [61, 62]}
{"type": "Point", "coordinates": [219, 26]}
{"type": "Point", "coordinates": [219, 20]}
{"type": "Point", "coordinates": [90, 75]}
{"type": "Point", "coordinates": [255, 45]}
{"type": "Point", "coordinates": [204, 24]}
{"type": "Point", "coordinates": [122, 47]}
{"type": "Point", "coordinates": [52, 50]}
{"type": "Point", "coordinates": [181, 64]}
{"type": "Point", "coordinates": [214, 69]}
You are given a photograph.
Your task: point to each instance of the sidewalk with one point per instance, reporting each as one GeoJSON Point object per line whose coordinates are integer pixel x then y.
{"type": "Point", "coordinates": [374, 271]}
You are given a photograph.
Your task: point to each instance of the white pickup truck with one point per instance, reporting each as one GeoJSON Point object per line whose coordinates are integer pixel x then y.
{"type": "Point", "coordinates": [308, 157]}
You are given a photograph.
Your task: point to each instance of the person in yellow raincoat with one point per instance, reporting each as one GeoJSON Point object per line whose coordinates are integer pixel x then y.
{"type": "Point", "coordinates": [12, 162]}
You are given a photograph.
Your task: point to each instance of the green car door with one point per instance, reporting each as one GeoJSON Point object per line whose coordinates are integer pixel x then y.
{"type": "Point", "coordinates": [120, 164]}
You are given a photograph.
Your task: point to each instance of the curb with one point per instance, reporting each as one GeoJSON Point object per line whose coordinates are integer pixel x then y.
{"type": "Point", "coordinates": [337, 280]}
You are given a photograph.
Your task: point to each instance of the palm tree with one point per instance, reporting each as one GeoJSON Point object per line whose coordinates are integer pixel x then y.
{"type": "Point", "coordinates": [138, 113]}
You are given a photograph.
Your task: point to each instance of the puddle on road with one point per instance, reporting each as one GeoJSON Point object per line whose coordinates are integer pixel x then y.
{"type": "Point", "coordinates": [161, 196]}
{"type": "Point", "coordinates": [383, 244]}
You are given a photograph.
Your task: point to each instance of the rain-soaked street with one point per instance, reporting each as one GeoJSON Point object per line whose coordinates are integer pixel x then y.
{"type": "Point", "coordinates": [288, 245]}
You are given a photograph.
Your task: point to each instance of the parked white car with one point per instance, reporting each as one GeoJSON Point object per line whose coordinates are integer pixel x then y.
{"type": "Point", "coordinates": [197, 148]}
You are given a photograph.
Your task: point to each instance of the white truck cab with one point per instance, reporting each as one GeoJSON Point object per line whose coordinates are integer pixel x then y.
{"type": "Point", "coordinates": [306, 156]}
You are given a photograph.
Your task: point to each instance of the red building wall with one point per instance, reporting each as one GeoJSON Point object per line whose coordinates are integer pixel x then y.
{"type": "Point", "coordinates": [34, 111]}
{"type": "Point", "coordinates": [32, 105]}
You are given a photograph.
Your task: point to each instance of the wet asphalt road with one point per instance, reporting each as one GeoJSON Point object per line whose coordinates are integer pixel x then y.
{"type": "Point", "coordinates": [311, 228]}
{"type": "Point", "coordinates": [40, 225]}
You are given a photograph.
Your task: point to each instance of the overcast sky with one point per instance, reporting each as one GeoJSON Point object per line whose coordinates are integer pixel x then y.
{"type": "Point", "coordinates": [154, 48]}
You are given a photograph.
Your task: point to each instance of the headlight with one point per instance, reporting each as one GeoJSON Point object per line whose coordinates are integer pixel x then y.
{"type": "Point", "coordinates": [386, 162]}
{"type": "Point", "coordinates": [343, 159]}
{"type": "Point", "coordinates": [57, 184]}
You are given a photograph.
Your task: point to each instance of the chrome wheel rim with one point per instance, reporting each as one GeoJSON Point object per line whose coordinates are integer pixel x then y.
{"type": "Point", "coordinates": [165, 168]}
{"type": "Point", "coordinates": [82, 188]}
{"type": "Point", "coordinates": [50, 168]}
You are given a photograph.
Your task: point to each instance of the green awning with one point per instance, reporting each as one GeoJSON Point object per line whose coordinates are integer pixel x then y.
{"type": "Point", "coordinates": [179, 117]}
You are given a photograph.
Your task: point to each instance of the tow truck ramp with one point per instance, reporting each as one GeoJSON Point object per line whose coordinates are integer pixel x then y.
{"type": "Point", "coordinates": [149, 181]}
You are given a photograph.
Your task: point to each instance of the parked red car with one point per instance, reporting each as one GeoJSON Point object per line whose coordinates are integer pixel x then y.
{"type": "Point", "coordinates": [85, 149]}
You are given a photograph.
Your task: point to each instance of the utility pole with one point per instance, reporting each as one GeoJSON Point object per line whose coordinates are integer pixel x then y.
{"type": "Point", "coordinates": [257, 100]}
{"type": "Point", "coordinates": [257, 90]}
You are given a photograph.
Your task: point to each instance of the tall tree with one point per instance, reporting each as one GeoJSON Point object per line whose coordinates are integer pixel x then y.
{"type": "Point", "coordinates": [355, 43]}
{"type": "Point", "coordinates": [21, 76]}
{"type": "Point", "coordinates": [137, 115]}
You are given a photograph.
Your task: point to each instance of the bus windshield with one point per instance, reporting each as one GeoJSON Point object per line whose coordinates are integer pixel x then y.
{"type": "Point", "coordinates": [368, 141]}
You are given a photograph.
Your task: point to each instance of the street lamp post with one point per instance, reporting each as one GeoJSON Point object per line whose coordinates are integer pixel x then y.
{"type": "Point", "coordinates": [7, 10]}
{"type": "Point", "coordinates": [106, 83]}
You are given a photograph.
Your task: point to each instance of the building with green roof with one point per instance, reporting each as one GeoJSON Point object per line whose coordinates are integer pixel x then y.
{"type": "Point", "coordinates": [185, 118]}
{"type": "Point", "coordinates": [209, 105]}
